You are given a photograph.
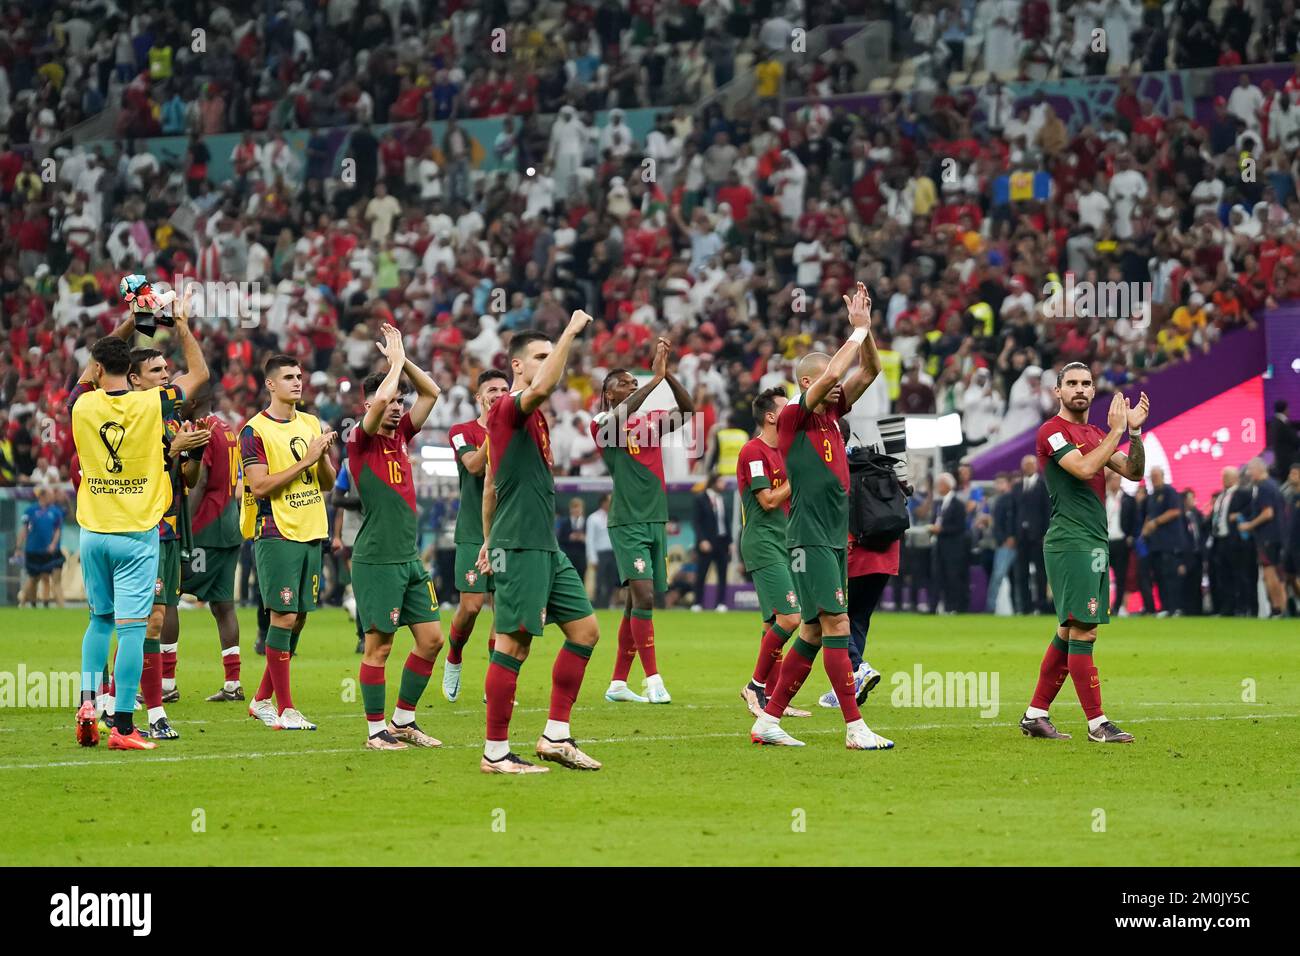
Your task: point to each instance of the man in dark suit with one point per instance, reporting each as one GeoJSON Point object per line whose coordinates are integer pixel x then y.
{"type": "Point", "coordinates": [1197, 553]}
{"type": "Point", "coordinates": [1165, 530]}
{"type": "Point", "coordinates": [1033, 512]}
{"type": "Point", "coordinates": [1283, 440]}
{"type": "Point", "coordinates": [1220, 533]}
{"type": "Point", "coordinates": [951, 546]}
{"type": "Point", "coordinates": [1245, 558]}
{"type": "Point", "coordinates": [713, 538]}
{"type": "Point", "coordinates": [1121, 526]}
{"type": "Point", "coordinates": [571, 532]}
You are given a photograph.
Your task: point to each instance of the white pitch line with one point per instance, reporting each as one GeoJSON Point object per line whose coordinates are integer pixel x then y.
{"type": "Point", "coordinates": [638, 738]}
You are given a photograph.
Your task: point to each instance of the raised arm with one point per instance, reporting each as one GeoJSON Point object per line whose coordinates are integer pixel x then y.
{"type": "Point", "coordinates": [860, 316]}
{"type": "Point", "coordinates": [1085, 467]}
{"type": "Point", "coordinates": [395, 352]}
{"type": "Point", "coordinates": [1133, 465]}
{"type": "Point", "coordinates": [548, 376]}
{"type": "Point", "coordinates": [196, 366]}
{"type": "Point", "coordinates": [869, 356]}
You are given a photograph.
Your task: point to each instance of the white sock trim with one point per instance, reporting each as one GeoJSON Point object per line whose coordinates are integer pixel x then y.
{"type": "Point", "coordinates": [1096, 722]}
{"type": "Point", "coordinates": [557, 730]}
{"type": "Point", "coordinates": [157, 713]}
{"type": "Point", "coordinates": [403, 717]}
{"type": "Point", "coordinates": [229, 651]}
{"type": "Point", "coordinates": [1033, 712]}
{"type": "Point", "coordinates": [495, 749]}
{"type": "Point", "coordinates": [375, 726]}
{"type": "Point", "coordinates": [168, 648]}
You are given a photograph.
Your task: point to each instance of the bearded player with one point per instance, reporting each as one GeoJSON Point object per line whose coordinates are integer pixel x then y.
{"type": "Point", "coordinates": [469, 443]}
{"type": "Point", "coordinates": [765, 510]}
{"type": "Point", "coordinates": [1072, 456]}
{"type": "Point", "coordinates": [631, 447]}
{"type": "Point", "coordinates": [535, 581]}
{"type": "Point", "coordinates": [812, 447]}
{"type": "Point", "coordinates": [216, 490]}
{"type": "Point", "coordinates": [391, 584]}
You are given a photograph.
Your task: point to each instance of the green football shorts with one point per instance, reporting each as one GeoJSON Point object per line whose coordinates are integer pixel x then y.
{"type": "Point", "coordinates": [821, 580]}
{"type": "Point", "coordinates": [167, 586]}
{"type": "Point", "coordinates": [469, 579]}
{"type": "Point", "coordinates": [641, 553]}
{"type": "Point", "coordinates": [390, 596]}
{"type": "Point", "coordinates": [536, 588]}
{"type": "Point", "coordinates": [209, 574]}
{"type": "Point", "coordinates": [288, 574]}
{"type": "Point", "coordinates": [1080, 583]}
{"type": "Point", "coordinates": [776, 591]}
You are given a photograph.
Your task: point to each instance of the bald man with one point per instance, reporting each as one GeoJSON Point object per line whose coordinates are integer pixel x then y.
{"type": "Point", "coordinates": [809, 439]}
{"type": "Point", "coordinates": [1232, 499]}
{"type": "Point", "coordinates": [1263, 524]}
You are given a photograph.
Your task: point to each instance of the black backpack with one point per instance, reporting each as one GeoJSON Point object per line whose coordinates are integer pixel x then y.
{"type": "Point", "coordinates": [877, 506]}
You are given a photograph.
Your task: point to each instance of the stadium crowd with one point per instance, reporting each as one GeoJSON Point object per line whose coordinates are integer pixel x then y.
{"type": "Point", "coordinates": [737, 245]}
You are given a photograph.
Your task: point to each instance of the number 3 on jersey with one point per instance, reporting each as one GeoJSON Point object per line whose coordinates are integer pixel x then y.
{"type": "Point", "coordinates": [827, 452]}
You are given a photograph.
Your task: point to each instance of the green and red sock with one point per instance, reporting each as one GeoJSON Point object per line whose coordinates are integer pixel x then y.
{"type": "Point", "coordinates": [415, 678]}
{"type": "Point", "coordinates": [152, 675]}
{"type": "Point", "coordinates": [566, 679]}
{"type": "Point", "coordinates": [769, 653]}
{"type": "Point", "coordinates": [455, 644]}
{"type": "Point", "coordinates": [794, 671]}
{"type": "Point", "coordinates": [643, 637]}
{"type": "Point", "coordinates": [371, 678]}
{"type": "Point", "coordinates": [1087, 682]}
{"type": "Point", "coordinates": [1051, 673]}
{"type": "Point", "coordinates": [276, 679]}
{"type": "Point", "coordinates": [839, 668]}
{"type": "Point", "coordinates": [499, 686]}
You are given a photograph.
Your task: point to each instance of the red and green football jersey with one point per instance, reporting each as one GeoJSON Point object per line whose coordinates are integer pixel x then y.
{"type": "Point", "coordinates": [762, 533]}
{"type": "Point", "coordinates": [466, 438]}
{"type": "Point", "coordinates": [380, 466]}
{"type": "Point", "coordinates": [519, 454]}
{"type": "Point", "coordinates": [818, 471]}
{"type": "Point", "coordinates": [216, 519]}
{"type": "Point", "coordinates": [636, 464]}
{"type": "Point", "coordinates": [1078, 507]}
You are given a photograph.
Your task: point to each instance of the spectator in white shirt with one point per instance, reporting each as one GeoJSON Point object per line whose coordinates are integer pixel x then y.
{"type": "Point", "coordinates": [381, 211]}
{"type": "Point", "coordinates": [1128, 188]}
{"type": "Point", "coordinates": [1245, 102]}
{"type": "Point", "coordinates": [808, 255]}
{"type": "Point", "coordinates": [1094, 206]}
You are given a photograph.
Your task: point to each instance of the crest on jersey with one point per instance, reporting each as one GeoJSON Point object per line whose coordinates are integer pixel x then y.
{"type": "Point", "coordinates": [470, 577]}
{"type": "Point", "coordinates": [157, 587]}
{"type": "Point", "coordinates": [393, 616]}
{"type": "Point", "coordinates": [639, 564]}
{"type": "Point", "coordinates": [792, 599]}
{"type": "Point", "coordinates": [286, 595]}
{"type": "Point", "coordinates": [839, 595]}
{"type": "Point", "coordinates": [1092, 605]}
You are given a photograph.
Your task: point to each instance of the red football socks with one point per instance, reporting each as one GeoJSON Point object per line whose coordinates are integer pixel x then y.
{"type": "Point", "coordinates": [769, 654]}
{"type": "Point", "coordinates": [643, 636]}
{"type": "Point", "coordinates": [626, 650]}
{"type": "Point", "coordinates": [502, 678]}
{"type": "Point", "coordinates": [840, 670]}
{"type": "Point", "coordinates": [566, 679]}
{"type": "Point", "coordinates": [455, 642]}
{"type": "Point", "coordinates": [1051, 673]}
{"type": "Point", "coordinates": [151, 679]}
{"type": "Point", "coordinates": [795, 669]}
{"type": "Point", "coordinates": [1087, 683]}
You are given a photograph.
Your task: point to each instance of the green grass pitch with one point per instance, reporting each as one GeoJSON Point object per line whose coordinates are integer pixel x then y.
{"type": "Point", "coordinates": [1211, 780]}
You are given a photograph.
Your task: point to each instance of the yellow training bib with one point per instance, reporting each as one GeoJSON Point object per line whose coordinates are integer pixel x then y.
{"type": "Point", "coordinates": [298, 508]}
{"type": "Point", "coordinates": [124, 484]}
